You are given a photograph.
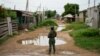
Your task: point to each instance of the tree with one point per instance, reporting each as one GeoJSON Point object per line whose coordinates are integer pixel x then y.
{"type": "Point", "coordinates": [50, 13]}
{"type": "Point", "coordinates": [71, 9]}
{"type": "Point", "coordinates": [11, 14]}
{"type": "Point", "coordinates": [4, 12]}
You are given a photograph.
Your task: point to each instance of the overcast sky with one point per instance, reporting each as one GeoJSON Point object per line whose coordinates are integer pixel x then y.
{"type": "Point", "coordinates": [46, 4]}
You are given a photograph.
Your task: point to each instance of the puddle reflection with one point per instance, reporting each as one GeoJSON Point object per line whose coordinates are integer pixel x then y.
{"type": "Point", "coordinates": [60, 28]}
{"type": "Point", "coordinates": [42, 41]}
{"type": "Point", "coordinates": [68, 53]}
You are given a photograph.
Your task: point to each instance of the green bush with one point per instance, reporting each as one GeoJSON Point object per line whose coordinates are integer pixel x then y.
{"type": "Point", "coordinates": [11, 14]}
{"type": "Point", "coordinates": [88, 32]}
{"type": "Point", "coordinates": [92, 44]}
{"type": "Point", "coordinates": [5, 12]}
{"type": "Point", "coordinates": [88, 38]}
{"type": "Point", "coordinates": [48, 22]}
{"type": "Point", "coordinates": [76, 26]}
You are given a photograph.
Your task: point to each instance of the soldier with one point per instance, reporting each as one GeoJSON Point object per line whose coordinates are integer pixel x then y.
{"type": "Point", "coordinates": [52, 34]}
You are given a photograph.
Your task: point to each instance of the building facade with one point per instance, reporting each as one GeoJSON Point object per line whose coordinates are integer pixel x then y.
{"type": "Point", "coordinates": [82, 16]}
{"type": "Point", "coordinates": [91, 16]}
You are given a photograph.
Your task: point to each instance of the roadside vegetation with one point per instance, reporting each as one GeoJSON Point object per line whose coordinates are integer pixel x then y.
{"type": "Point", "coordinates": [6, 12]}
{"type": "Point", "coordinates": [84, 36]}
{"type": "Point", "coordinates": [45, 23]}
{"type": "Point", "coordinates": [75, 26]}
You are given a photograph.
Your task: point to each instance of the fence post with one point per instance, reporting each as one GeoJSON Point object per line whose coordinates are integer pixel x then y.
{"type": "Point", "coordinates": [9, 26]}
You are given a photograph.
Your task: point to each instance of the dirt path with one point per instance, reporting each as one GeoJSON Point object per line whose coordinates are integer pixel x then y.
{"type": "Point", "coordinates": [12, 47]}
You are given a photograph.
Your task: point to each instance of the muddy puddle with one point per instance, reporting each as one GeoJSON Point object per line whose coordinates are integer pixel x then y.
{"type": "Point", "coordinates": [42, 41]}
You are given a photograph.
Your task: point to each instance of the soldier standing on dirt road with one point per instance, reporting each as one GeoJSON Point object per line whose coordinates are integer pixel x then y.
{"type": "Point", "coordinates": [52, 34]}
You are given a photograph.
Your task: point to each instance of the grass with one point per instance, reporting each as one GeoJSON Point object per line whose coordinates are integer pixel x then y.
{"type": "Point", "coordinates": [85, 37]}
{"type": "Point", "coordinates": [92, 44]}
{"type": "Point", "coordinates": [87, 32]}
{"type": "Point", "coordinates": [75, 26]}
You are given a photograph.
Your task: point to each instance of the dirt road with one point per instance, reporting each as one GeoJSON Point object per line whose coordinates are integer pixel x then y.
{"type": "Point", "coordinates": [12, 47]}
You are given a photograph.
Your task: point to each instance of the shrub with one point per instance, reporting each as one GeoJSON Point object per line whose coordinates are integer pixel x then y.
{"type": "Point", "coordinates": [76, 26]}
{"type": "Point", "coordinates": [11, 14]}
{"type": "Point", "coordinates": [88, 38]}
{"type": "Point", "coordinates": [88, 32]}
{"type": "Point", "coordinates": [48, 22]}
{"type": "Point", "coordinates": [3, 12]}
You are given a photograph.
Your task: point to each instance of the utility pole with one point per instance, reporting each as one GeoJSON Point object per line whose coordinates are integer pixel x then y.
{"type": "Point", "coordinates": [39, 14]}
{"type": "Point", "coordinates": [27, 5]}
{"type": "Point", "coordinates": [94, 2]}
{"type": "Point", "coordinates": [14, 7]}
{"type": "Point", "coordinates": [88, 3]}
{"type": "Point", "coordinates": [89, 11]}
{"type": "Point", "coordinates": [25, 20]}
{"type": "Point", "coordinates": [75, 14]}
{"type": "Point", "coordinates": [43, 14]}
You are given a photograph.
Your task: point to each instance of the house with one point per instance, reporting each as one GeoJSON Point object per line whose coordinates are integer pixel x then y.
{"type": "Point", "coordinates": [91, 16]}
{"type": "Point", "coordinates": [25, 18]}
{"type": "Point", "coordinates": [68, 18]}
{"type": "Point", "coordinates": [82, 16]}
{"type": "Point", "coordinates": [39, 16]}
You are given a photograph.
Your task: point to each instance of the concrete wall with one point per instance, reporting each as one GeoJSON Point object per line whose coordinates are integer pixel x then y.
{"type": "Point", "coordinates": [81, 17]}
{"type": "Point", "coordinates": [93, 15]}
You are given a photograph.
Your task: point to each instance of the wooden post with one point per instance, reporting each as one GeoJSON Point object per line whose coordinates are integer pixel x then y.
{"type": "Point", "coordinates": [9, 26]}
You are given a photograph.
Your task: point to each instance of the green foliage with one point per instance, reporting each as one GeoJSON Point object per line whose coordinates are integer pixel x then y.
{"type": "Point", "coordinates": [71, 9]}
{"type": "Point", "coordinates": [3, 12]}
{"type": "Point", "coordinates": [88, 32]}
{"type": "Point", "coordinates": [48, 22]}
{"type": "Point", "coordinates": [7, 12]}
{"type": "Point", "coordinates": [76, 26]}
{"type": "Point", "coordinates": [87, 38]}
{"type": "Point", "coordinates": [11, 14]}
{"type": "Point", "coordinates": [92, 44]}
{"type": "Point", "coordinates": [50, 13]}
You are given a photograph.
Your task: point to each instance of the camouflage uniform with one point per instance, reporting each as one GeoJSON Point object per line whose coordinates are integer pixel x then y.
{"type": "Point", "coordinates": [51, 37]}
